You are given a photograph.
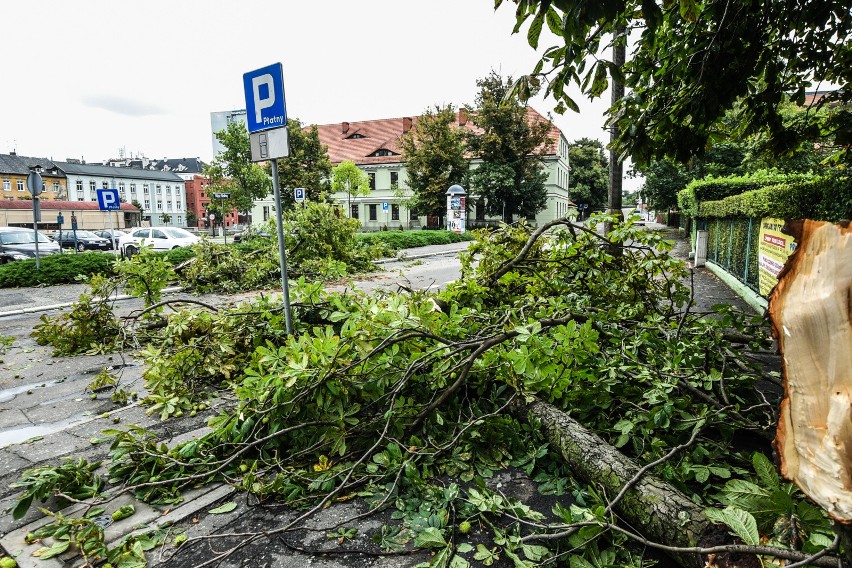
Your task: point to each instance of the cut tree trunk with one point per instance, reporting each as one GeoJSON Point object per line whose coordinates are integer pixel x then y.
{"type": "Point", "coordinates": [811, 311]}
{"type": "Point", "coordinates": [652, 507]}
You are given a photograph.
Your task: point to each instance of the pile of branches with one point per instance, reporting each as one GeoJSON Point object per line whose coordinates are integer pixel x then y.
{"type": "Point", "coordinates": [389, 396]}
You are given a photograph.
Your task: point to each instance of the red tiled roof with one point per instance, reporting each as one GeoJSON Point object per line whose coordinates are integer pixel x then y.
{"type": "Point", "coordinates": [385, 134]}
{"type": "Point", "coordinates": [57, 205]}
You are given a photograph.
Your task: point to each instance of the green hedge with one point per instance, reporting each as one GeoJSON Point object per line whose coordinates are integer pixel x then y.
{"type": "Point", "coordinates": [821, 198]}
{"type": "Point", "coordinates": [714, 189]}
{"type": "Point", "coordinates": [55, 269]}
{"type": "Point", "coordinates": [397, 240]}
{"type": "Point", "coordinates": [69, 268]}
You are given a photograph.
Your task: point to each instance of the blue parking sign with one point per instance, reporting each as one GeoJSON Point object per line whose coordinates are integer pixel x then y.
{"type": "Point", "coordinates": [265, 106]}
{"type": "Point", "coordinates": [108, 200]}
{"type": "Point", "coordinates": [384, 205]}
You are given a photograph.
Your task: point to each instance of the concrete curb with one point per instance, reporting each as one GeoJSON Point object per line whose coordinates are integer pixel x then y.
{"type": "Point", "coordinates": [35, 309]}
{"type": "Point", "coordinates": [758, 303]}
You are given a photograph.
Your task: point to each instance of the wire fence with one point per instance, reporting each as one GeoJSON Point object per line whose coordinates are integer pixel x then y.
{"type": "Point", "coordinates": [732, 244]}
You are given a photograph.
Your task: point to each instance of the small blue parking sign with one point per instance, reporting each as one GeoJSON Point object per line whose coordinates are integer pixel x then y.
{"type": "Point", "coordinates": [264, 89]}
{"type": "Point", "coordinates": [384, 205]}
{"type": "Point", "coordinates": [299, 193]}
{"type": "Point", "coordinates": [108, 200]}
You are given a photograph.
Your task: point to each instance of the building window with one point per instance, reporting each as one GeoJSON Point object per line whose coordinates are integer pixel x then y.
{"type": "Point", "coordinates": [147, 205]}
{"type": "Point", "coordinates": [20, 185]}
{"type": "Point", "coordinates": [373, 211]}
{"type": "Point", "coordinates": [394, 212]}
{"type": "Point", "coordinates": [105, 185]}
{"type": "Point", "coordinates": [56, 187]}
{"type": "Point", "coordinates": [480, 210]}
{"type": "Point", "coordinates": [121, 188]}
{"type": "Point", "coordinates": [7, 185]}
{"type": "Point", "coordinates": [159, 189]}
{"type": "Point", "coordinates": [79, 185]}
{"type": "Point", "coordinates": [169, 190]}
{"type": "Point", "coordinates": [145, 189]}
{"type": "Point", "coordinates": [159, 206]}
{"type": "Point", "coordinates": [178, 205]}
{"type": "Point", "coordinates": [266, 212]}
{"type": "Point", "coordinates": [354, 212]}
{"type": "Point", "coordinates": [372, 180]}
{"type": "Point", "coordinates": [394, 179]}
{"type": "Point", "coordinates": [79, 194]}
{"type": "Point", "coordinates": [132, 189]}
{"type": "Point", "coordinates": [202, 195]}
{"type": "Point", "coordinates": [412, 216]}
{"type": "Point", "coordinates": [92, 186]}
{"type": "Point", "coordinates": [180, 220]}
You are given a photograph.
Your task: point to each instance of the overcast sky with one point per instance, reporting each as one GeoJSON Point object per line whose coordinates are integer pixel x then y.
{"type": "Point", "coordinates": [86, 78]}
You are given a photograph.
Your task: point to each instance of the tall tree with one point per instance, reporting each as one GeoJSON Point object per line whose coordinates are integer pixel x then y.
{"type": "Point", "coordinates": [511, 176]}
{"type": "Point", "coordinates": [307, 165]}
{"type": "Point", "coordinates": [232, 171]}
{"type": "Point", "coordinates": [693, 62]}
{"type": "Point", "coordinates": [434, 155]}
{"type": "Point", "coordinates": [589, 173]}
{"type": "Point", "coordinates": [347, 177]}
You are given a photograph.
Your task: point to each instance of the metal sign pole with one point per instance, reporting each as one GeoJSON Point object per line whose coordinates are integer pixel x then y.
{"type": "Point", "coordinates": [282, 255]}
{"type": "Point", "coordinates": [35, 228]}
{"type": "Point", "coordinates": [224, 232]}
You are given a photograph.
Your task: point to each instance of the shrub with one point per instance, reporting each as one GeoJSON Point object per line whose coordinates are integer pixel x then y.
{"type": "Point", "coordinates": [713, 188]}
{"type": "Point", "coordinates": [821, 198]}
{"type": "Point", "coordinates": [55, 269]}
{"type": "Point", "coordinates": [396, 240]}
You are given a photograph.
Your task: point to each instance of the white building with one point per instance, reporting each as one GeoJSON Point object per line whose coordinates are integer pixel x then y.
{"type": "Point", "coordinates": [220, 121]}
{"type": "Point", "coordinates": [162, 195]}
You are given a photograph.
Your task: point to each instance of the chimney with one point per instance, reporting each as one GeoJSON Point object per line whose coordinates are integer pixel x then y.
{"type": "Point", "coordinates": [462, 117]}
{"type": "Point", "coordinates": [344, 127]}
{"type": "Point", "coordinates": [406, 124]}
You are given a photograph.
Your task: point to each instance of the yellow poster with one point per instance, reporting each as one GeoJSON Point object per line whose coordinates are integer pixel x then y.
{"type": "Point", "coordinates": [773, 250]}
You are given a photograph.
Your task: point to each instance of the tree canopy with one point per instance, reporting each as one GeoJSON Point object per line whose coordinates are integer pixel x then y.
{"type": "Point", "coordinates": [307, 165]}
{"type": "Point", "coordinates": [511, 176]}
{"type": "Point", "coordinates": [347, 177]}
{"type": "Point", "coordinates": [694, 61]}
{"type": "Point", "coordinates": [232, 170]}
{"type": "Point", "coordinates": [589, 172]}
{"type": "Point", "coordinates": [434, 155]}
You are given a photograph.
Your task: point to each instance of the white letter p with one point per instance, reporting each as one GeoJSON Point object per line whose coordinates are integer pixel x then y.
{"type": "Point", "coordinates": [259, 103]}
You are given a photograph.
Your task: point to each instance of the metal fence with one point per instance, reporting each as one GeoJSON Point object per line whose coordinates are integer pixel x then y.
{"type": "Point", "coordinates": [732, 244]}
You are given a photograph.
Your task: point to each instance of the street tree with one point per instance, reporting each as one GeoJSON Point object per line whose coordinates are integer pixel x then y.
{"type": "Point", "coordinates": [233, 172]}
{"type": "Point", "coordinates": [589, 178]}
{"type": "Point", "coordinates": [434, 156]}
{"type": "Point", "coordinates": [694, 61]}
{"type": "Point", "coordinates": [510, 144]}
{"type": "Point", "coordinates": [307, 165]}
{"type": "Point", "coordinates": [347, 177]}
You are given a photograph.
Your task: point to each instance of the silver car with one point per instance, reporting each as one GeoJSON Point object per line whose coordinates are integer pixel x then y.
{"type": "Point", "coordinates": [18, 243]}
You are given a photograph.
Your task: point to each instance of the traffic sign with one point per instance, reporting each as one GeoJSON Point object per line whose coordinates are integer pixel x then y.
{"type": "Point", "coordinates": [384, 205]}
{"type": "Point", "coordinates": [108, 200]}
{"type": "Point", "coordinates": [35, 184]}
{"type": "Point", "coordinates": [265, 106]}
{"type": "Point", "coordinates": [299, 193]}
{"type": "Point", "coordinates": [221, 196]}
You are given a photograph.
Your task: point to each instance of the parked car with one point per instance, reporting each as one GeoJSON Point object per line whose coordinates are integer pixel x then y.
{"type": "Point", "coordinates": [251, 233]}
{"type": "Point", "coordinates": [83, 240]}
{"type": "Point", "coordinates": [113, 236]}
{"type": "Point", "coordinates": [18, 243]}
{"type": "Point", "coordinates": [159, 238]}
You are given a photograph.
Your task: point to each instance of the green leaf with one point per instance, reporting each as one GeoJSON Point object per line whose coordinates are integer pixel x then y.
{"type": "Point", "coordinates": [464, 548]}
{"type": "Point", "coordinates": [430, 537]}
{"type": "Point", "coordinates": [226, 508]}
{"type": "Point", "coordinates": [766, 471]}
{"type": "Point", "coordinates": [22, 506]}
{"type": "Point", "coordinates": [55, 550]}
{"type": "Point", "coordinates": [740, 522]}
{"type": "Point", "coordinates": [487, 557]}
{"type": "Point", "coordinates": [535, 30]}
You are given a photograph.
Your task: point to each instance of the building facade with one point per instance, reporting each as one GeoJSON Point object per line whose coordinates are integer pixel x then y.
{"type": "Point", "coordinates": [374, 146]}
{"type": "Point", "coordinates": [161, 194]}
{"type": "Point", "coordinates": [14, 170]}
{"type": "Point", "coordinates": [220, 121]}
{"type": "Point", "coordinates": [86, 213]}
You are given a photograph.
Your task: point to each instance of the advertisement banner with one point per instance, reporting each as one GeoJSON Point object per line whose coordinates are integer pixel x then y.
{"type": "Point", "coordinates": [773, 250]}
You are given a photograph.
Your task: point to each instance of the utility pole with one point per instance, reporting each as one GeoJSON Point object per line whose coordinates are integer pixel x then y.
{"type": "Point", "coordinates": [615, 165]}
